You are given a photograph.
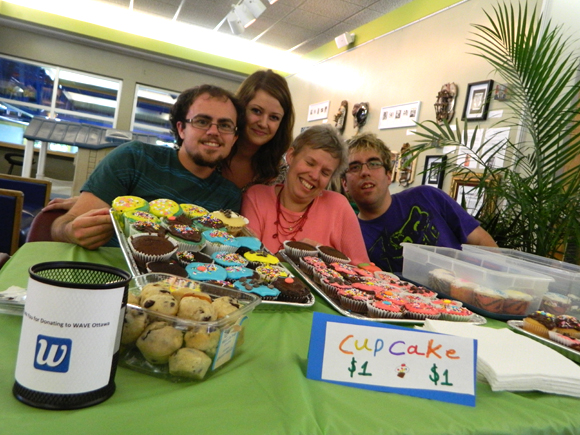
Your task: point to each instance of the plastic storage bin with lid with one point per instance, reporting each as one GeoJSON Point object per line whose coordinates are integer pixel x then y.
{"type": "Point", "coordinates": [563, 295]}
{"type": "Point", "coordinates": [478, 280]}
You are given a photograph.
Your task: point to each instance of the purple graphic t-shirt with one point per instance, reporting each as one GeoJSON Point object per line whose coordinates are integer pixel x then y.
{"type": "Point", "coordinates": [422, 215]}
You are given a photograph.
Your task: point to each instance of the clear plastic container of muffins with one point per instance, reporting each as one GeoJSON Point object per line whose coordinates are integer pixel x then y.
{"type": "Point", "coordinates": [485, 284]}
{"type": "Point", "coordinates": [566, 277]}
{"type": "Point", "coordinates": [186, 342]}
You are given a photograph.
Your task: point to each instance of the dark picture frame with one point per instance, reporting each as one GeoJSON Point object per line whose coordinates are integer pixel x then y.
{"type": "Point", "coordinates": [477, 101]}
{"type": "Point", "coordinates": [434, 171]}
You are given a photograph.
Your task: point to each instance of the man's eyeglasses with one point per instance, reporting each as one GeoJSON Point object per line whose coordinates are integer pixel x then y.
{"type": "Point", "coordinates": [355, 168]}
{"type": "Point", "coordinates": [225, 127]}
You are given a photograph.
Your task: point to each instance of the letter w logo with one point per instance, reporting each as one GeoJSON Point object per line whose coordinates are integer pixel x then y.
{"type": "Point", "coordinates": [52, 354]}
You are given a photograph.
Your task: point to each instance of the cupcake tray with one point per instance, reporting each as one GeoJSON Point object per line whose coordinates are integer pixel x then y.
{"type": "Point", "coordinates": [135, 271]}
{"type": "Point", "coordinates": [477, 319]}
{"type": "Point", "coordinates": [517, 326]}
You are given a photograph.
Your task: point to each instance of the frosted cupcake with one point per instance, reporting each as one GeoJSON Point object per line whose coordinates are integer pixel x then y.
{"type": "Point", "coordinates": [132, 216]}
{"type": "Point", "coordinates": [163, 207]}
{"type": "Point", "coordinates": [188, 238]}
{"type": "Point", "coordinates": [229, 259]}
{"type": "Point", "coordinates": [186, 257]}
{"type": "Point", "coordinates": [218, 240]}
{"type": "Point", "coordinates": [269, 273]}
{"type": "Point", "coordinates": [148, 227]}
{"type": "Point", "coordinates": [260, 258]}
{"type": "Point", "coordinates": [384, 309]}
{"type": "Point", "coordinates": [193, 211]}
{"type": "Point", "coordinates": [127, 203]}
{"type": "Point", "coordinates": [456, 314]}
{"type": "Point", "coordinates": [234, 222]}
{"type": "Point", "coordinates": [354, 300]}
{"type": "Point", "coordinates": [331, 286]}
{"type": "Point", "coordinates": [206, 272]}
{"type": "Point", "coordinates": [420, 311]}
{"type": "Point", "coordinates": [207, 222]}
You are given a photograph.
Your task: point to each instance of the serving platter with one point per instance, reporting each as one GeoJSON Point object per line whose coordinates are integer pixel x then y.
{"type": "Point", "coordinates": [517, 326]}
{"type": "Point", "coordinates": [135, 271]}
{"type": "Point", "coordinates": [477, 319]}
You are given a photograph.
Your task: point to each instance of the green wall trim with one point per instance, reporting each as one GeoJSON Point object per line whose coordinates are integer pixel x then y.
{"type": "Point", "coordinates": [123, 38]}
{"type": "Point", "coordinates": [400, 17]}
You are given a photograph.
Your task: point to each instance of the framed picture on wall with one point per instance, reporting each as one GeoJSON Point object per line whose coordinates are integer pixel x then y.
{"type": "Point", "coordinates": [318, 111]}
{"type": "Point", "coordinates": [434, 171]}
{"type": "Point", "coordinates": [477, 101]}
{"type": "Point", "coordinates": [402, 115]}
{"type": "Point", "coordinates": [465, 191]}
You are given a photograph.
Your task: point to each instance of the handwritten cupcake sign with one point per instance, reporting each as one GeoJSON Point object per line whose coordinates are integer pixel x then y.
{"type": "Point", "coordinates": [364, 354]}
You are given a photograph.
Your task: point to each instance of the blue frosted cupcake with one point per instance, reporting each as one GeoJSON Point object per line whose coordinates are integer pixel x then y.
{"type": "Point", "coordinates": [229, 259]}
{"type": "Point", "coordinates": [218, 240]}
{"type": "Point", "coordinates": [206, 272]}
{"type": "Point", "coordinates": [238, 272]}
{"type": "Point", "coordinates": [266, 292]}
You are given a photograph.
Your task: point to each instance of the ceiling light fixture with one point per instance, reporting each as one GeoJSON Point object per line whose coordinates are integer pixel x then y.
{"type": "Point", "coordinates": [244, 15]}
{"type": "Point", "coordinates": [235, 24]}
{"type": "Point", "coordinates": [272, 1]}
{"type": "Point", "coordinates": [256, 7]}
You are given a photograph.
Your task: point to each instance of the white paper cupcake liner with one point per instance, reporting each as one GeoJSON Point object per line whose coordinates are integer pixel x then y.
{"type": "Point", "coordinates": [145, 258]}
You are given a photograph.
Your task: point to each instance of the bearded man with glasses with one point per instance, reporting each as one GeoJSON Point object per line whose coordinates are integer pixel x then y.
{"type": "Point", "coordinates": [423, 214]}
{"type": "Point", "coordinates": [205, 121]}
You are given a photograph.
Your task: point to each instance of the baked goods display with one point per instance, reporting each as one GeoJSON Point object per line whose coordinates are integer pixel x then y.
{"type": "Point", "coordinates": [378, 296]}
{"type": "Point", "coordinates": [201, 247]}
{"type": "Point", "coordinates": [509, 303]}
{"type": "Point", "coordinates": [173, 326]}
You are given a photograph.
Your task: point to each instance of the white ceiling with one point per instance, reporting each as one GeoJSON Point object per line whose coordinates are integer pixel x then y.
{"type": "Point", "coordinates": [297, 25]}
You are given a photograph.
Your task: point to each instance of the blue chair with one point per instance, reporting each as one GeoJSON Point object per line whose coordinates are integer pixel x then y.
{"type": "Point", "coordinates": [36, 196]}
{"type": "Point", "coordinates": [11, 202]}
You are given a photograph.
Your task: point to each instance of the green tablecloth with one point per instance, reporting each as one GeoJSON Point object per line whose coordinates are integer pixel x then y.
{"type": "Point", "coordinates": [264, 390]}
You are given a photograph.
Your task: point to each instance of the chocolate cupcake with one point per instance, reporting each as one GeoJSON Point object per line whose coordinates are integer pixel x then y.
{"type": "Point", "coordinates": [291, 289]}
{"type": "Point", "coordinates": [186, 257]}
{"type": "Point", "coordinates": [188, 238]}
{"type": "Point", "coordinates": [332, 255]}
{"type": "Point", "coordinates": [172, 267]}
{"type": "Point", "coordinates": [146, 248]}
{"type": "Point", "coordinates": [295, 250]}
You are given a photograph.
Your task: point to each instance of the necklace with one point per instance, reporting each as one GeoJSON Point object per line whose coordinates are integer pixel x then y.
{"type": "Point", "coordinates": [287, 229]}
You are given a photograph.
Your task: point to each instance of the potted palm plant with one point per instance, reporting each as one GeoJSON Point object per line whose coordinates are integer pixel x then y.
{"type": "Point", "coordinates": [531, 202]}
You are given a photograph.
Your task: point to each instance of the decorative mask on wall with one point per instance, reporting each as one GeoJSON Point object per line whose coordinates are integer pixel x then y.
{"type": "Point", "coordinates": [340, 117]}
{"type": "Point", "coordinates": [360, 112]}
{"type": "Point", "coordinates": [445, 104]}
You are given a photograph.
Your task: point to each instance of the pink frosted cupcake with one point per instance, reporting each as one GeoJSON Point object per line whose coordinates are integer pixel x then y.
{"type": "Point", "coordinates": [456, 314]}
{"type": "Point", "coordinates": [385, 310]}
{"type": "Point", "coordinates": [564, 340]}
{"type": "Point", "coordinates": [307, 264]}
{"type": "Point", "coordinates": [420, 311]}
{"type": "Point", "coordinates": [324, 272]}
{"type": "Point", "coordinates": [331, 286]}
{"type": "Point", "coordinates": [353, 300]}
{"type": "Point", "coordinates": [369, 287]}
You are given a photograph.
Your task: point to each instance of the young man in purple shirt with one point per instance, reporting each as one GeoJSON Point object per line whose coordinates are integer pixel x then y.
{"type": "Point", "coordinates": [423, 215]}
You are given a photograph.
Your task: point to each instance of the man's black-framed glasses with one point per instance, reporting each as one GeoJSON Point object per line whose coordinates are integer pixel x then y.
{"type": "Point", "coordinates": [356, 167]}
{"type": "Point", "coordinates": [226, 127]}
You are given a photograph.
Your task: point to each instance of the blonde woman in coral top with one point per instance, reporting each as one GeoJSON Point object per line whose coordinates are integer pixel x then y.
{"type": "Point", "coordinates": [301, 208]}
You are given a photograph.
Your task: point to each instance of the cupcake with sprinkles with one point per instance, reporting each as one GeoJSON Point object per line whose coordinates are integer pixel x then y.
{"type": "Point", "coordinates": [308, 264]}
{"type": "Point", "coordinates": [234, 222]}
{"type": "Point", "coordinates": [229, 259]}
{"type": "Point", "coordinates": [238, 272]}
{"type": "Point", "coordinates": [127, 203]}
{"type": "Point", "coordinates": [291, 289]}
{"type": "Point", "coordinates": [207, 222]}
{"type": "Point", "coordinates": [193, 211]}
{"type": "Point", "coordinates": [147, 227]}
{"type": "Point", "coordinates": [260, 258]}
{"type": "Point", "coordinates": [164, 207]}
{"type": "Point", "coordinates": [218, 240]}
{"type": "Point", "coordinates": [354, 300]}
{"type": "Point", "coordinates": [186, 257]}
{"type": "Point", "coordinates": [384, 310]}
{"type": "Point", "coordinates": [269, 273]}
{"type": "Point", "coordinates": [206, 272]}
{"type": "Point", "coordinates": [420, 311]}
{"type": "Point", "coordinates": [331, 286]}
{"type": "Point", "coordinates": [132, 216]}
{"type": "Point", "coordinates": [188, 238]}
{"type": "Point", "coordinates": [455, 313]}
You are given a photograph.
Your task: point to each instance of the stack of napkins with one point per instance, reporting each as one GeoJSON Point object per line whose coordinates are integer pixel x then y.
{"type": "Point", "coordinates": [513, 362]}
